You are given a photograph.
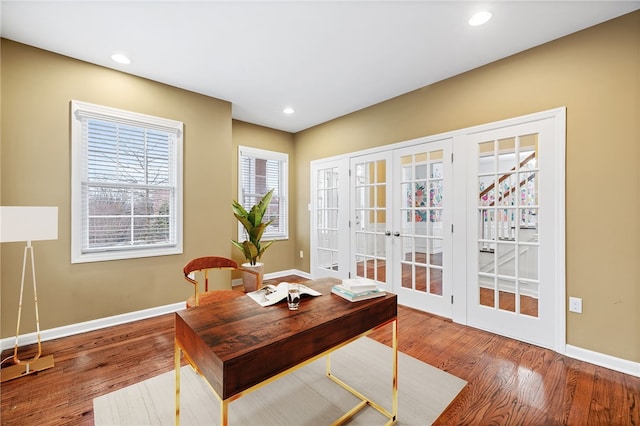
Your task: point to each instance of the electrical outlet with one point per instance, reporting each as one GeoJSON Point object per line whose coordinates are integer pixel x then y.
{"type": "Point", "coordinates": [301, 254]}
{"type": "Point", "coordinates": [575, 305]}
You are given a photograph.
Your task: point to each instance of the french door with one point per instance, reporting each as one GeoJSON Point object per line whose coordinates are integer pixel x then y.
{"type": "Point", "coordinates": [401, 221]}
{"type": "Point", "coordinates": [330, 202]}
{"type": "Point", "coordinates": [512, 286]}
{"type": "Point", "coordinates": [371, 218]}
{"type": "Point", "coordinates": [422, 227]}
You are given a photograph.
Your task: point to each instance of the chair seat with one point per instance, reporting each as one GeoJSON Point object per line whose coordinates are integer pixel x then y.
{"type": "Point", "coordinates": [214, 296]}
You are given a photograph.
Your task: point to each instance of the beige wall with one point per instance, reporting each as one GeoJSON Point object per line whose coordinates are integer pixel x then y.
{"type": "Point", "coordinates": [279, 257]}
{"type": "Point", "coordinates": [37, 87]}
{"type": "Point", "coordinates": [596, 75]}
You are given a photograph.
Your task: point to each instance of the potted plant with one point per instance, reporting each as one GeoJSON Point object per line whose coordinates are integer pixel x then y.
{"type": "Point", "coordinates": [252, 247]}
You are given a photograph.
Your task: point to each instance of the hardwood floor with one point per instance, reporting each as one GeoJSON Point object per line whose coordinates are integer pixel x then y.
{"type": "Point", "coordinates": [509, 382]}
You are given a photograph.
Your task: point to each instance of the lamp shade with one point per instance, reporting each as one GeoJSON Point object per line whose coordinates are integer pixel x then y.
{"type": "Point", "coordinates": [28, 223]}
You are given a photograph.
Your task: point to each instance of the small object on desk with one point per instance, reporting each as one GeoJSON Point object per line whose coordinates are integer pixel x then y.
{"type": "Point", "coordinates": [359, 284]}
{"type": "Point", "coordinates": [293, 296]}
{"type": "Point", "coordinates": [271, 294]}
{"type": "Point", "coordinates": [345, 293]}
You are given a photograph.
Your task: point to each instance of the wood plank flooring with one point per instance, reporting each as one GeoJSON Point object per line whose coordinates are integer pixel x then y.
{"type": "Point", "coordinates": [510, 382]}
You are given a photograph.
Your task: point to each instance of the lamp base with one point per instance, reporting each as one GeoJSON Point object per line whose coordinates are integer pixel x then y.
{"type": "Point", "coordinates": [19, 370]}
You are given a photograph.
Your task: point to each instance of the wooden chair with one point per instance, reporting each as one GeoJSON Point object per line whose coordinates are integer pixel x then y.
{"type": "Point", "coordinates": [204, 264]}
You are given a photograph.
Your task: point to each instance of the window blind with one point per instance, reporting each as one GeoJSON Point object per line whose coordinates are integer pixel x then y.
{"type": "Point", "coordinates": [260, 171]}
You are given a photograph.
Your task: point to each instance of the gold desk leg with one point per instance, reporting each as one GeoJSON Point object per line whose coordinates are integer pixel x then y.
{"type": "Point", "coordinates": [364, 401]}
{"type": "Point", "coordinates": [328, 365]}
{"type": "Point", "coordinates": [224, 413]}
{"type": "Point", "coordinates": [394, 407]}
{"type": "Point", "coordinates": [177, 367]}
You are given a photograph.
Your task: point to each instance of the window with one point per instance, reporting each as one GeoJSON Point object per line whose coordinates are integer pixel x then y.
{"type": "Point", "coordinates": [126, 184]}
{"type": "Point", "coordinates": [259, 172]}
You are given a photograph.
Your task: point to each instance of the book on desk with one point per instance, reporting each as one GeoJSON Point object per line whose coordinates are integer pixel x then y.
{"type": "Point", "coordinates": [272, 294]}
{"type": "Point", "coordinates": [357, 289]}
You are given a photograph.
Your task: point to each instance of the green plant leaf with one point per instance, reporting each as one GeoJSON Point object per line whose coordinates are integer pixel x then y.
{"type": "Point", "coordinates": [250, 251]}
{"type": "Point", "coordinates": [238, 245]}
{"type": "Point", "coordinates": [248, 226]}
{"type": "Point", "coordinates": [239, 209]}
{"type": "Point", "coordinates": [256, 233]}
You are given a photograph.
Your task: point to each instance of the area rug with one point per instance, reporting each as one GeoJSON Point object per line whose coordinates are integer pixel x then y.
{"type": "Point", "coordinates": [304, 397]}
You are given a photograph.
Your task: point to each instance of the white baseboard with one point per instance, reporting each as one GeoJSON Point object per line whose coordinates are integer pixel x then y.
{"type": "Point", "coordinates": [603, 360]}
{"type": "Point", "coordinates": [83, 327]}
{"type": "Point", "coordinates": [287, 272]}
{"type": "Point", "coordinates": [274, 275]}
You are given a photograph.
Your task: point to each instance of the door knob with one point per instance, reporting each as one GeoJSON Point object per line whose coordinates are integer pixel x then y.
{"type": "Point", "coordinates": [396, 234]}
{"type": "Point", "coordinates": [387, 233]}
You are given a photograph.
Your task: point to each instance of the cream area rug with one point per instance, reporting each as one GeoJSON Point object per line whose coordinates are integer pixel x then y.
{"type": "Point", "coordinates": [304, 397]}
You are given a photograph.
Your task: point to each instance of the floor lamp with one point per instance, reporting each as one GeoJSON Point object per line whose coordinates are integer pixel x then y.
{"type": "Point", "coordinates": [27, 224]}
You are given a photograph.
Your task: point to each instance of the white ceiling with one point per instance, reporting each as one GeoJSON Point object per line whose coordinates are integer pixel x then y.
{"type": "Point", "coordinates": [323, 58]}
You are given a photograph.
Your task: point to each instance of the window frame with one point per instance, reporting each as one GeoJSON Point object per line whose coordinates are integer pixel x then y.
{"type": "Point", "coordinates": [283, 190]}
{"type": "Point", "coordinates": [79, 164]}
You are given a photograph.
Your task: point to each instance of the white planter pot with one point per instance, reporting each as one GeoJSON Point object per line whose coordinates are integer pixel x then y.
{"type": "Point", "coordinates": [250, 281]}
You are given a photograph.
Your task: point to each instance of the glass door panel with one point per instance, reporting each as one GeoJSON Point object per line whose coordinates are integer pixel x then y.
{"type": "Point", "coordinates": [329, 222]}
{"type": "Point", "coordinates": [507, 239]}
{"type": "Point", "coordinates": [369, 229]}
{"type": "Point", "coordinates": [327, 215]}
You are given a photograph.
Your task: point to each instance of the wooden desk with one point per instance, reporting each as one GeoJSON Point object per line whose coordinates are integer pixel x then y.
{"type": "Point", "coordinates": [239, 346]}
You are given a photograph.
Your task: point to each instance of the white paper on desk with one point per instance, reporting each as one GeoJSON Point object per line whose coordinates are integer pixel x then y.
{"type": "Point", "coordinates": [271, 294]}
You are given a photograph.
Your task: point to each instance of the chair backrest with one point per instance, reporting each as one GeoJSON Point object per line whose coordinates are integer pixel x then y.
{"type": "Point", "coordinates": [204, 264]}
{"type": "Point", "coordinates": [209, 262]}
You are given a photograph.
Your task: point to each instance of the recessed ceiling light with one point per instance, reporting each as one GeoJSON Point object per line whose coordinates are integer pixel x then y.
{"type": "Point", "coordinates": [480, 18]}
{"type": "Point", "coordinates": [120, 58]}
{"type": "Point", "coordinates": [288, 110]}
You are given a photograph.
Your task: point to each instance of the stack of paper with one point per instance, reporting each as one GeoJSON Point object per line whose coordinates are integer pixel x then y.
{"type": "Point", "coordinates": [357, 289]}
{"type": "Point", "coordinates": [359, 285]}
